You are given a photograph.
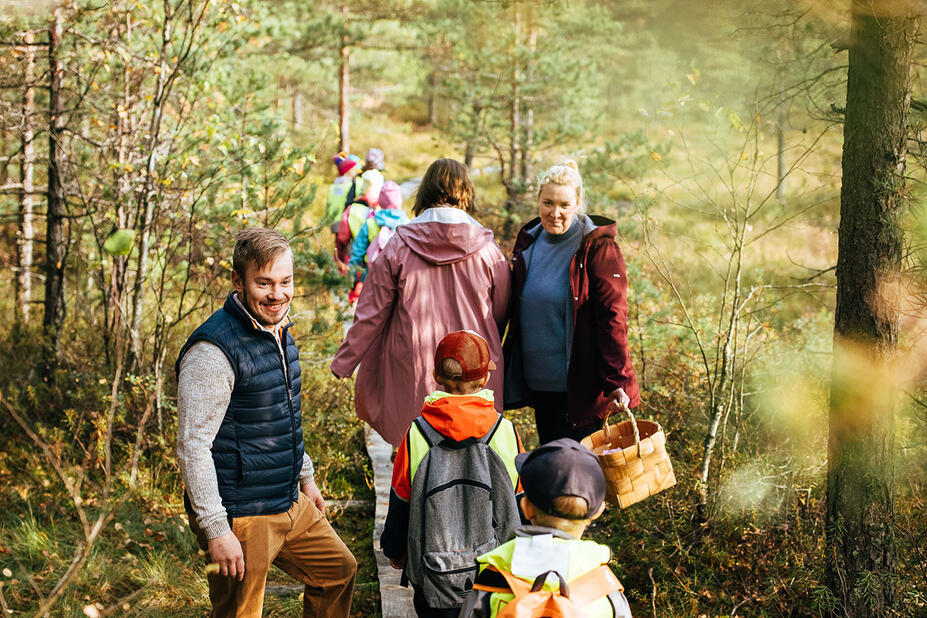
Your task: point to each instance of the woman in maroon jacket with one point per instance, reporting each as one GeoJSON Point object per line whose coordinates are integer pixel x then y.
{"type": "Point", "coordinates": [566, 354]}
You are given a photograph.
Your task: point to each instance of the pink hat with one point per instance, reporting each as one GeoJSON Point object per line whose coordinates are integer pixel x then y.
{"type": "Point", "coordinates": [390, 195]}
{"type": "Point", "coordinates": [344, 163]}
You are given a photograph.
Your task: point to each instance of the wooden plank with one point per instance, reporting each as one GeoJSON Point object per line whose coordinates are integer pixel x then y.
{"type": "Point", "coordinates": [395, 601]}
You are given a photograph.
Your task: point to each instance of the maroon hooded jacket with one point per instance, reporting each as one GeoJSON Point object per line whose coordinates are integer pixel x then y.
{"type": "Point", "coordinates": [600, 360]}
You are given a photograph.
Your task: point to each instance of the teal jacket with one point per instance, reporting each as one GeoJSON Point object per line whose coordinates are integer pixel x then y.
{"type": "Point", "coordinates": [382, 217]}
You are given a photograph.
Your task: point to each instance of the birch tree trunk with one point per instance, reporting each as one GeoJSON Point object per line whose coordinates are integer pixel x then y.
{"type": "Point", "coordinates": [26, 232]}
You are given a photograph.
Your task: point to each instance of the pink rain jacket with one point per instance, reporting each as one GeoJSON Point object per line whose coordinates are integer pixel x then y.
{"type": "Point", "coordinates": [440, 273]}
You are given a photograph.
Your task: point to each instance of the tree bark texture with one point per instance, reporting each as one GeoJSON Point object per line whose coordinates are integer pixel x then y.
{"type": "Point", "coordinates": [297, 120]}
{"type": "Point", "coordinates": [515, 115]}
{"type": "Point", "coordinates": [344, 80]}
{"type": "Point", "coordinates": [433, 83]}
{"type": "Point", "coordinates": [55, 236]}
{"type": "Point", "coordinates": [147, 201]}
{"type": "Point", "coordinates": [860, 565]}
{"type": "Point", "coordinates": [116, 304]}
{"type": "Point", "coordinates": [26, 231]}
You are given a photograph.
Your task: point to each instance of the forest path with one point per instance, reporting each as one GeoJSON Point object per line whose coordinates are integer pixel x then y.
{"type": "Point", "coordinates": [395, 601]}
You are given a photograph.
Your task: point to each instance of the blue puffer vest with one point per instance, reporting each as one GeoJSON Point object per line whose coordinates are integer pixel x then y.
{"type": "Point", "coordinates": [258, 451]}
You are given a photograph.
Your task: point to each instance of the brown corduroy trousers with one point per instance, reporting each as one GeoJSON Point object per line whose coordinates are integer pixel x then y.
{"type": "Point", "coordinates": [303, 544]}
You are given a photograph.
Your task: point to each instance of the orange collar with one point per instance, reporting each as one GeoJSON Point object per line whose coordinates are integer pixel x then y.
{"type": "Point", "coordinates": [461, 416]}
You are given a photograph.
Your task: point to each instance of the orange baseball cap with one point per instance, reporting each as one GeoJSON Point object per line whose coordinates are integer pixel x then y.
{"type": "Point", "coordinates": [468, 349]}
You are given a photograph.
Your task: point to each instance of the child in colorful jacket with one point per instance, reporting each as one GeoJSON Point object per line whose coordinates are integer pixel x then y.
{"type": "Point", "coordinates": [564, 492]}
{"type": "Point", "coordinates": [348, 167]}
{"type": "Point", "coordinates": [457, 419]}
{"type": "Point", "coordinates": [353, 219]}
{"type": "Point", "coordinates": [381, 224]}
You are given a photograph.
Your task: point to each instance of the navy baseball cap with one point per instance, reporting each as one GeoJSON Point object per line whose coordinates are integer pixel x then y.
{"type": "Point", "coordinates": [563, 467]}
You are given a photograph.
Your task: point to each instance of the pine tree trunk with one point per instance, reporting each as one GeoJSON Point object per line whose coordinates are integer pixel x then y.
{"type": "Point", "coordinates": [782, 118]}
{"type": "Point", "coordinates": [515, 115]}
{"type": "Point", "coordinates": [297, 121]}
{"type": "Point", "coordinates": [528, 129]}
{"type": "Point", "coordinates": [344, 80]}
{"type": "Point", "coordinates": [860, 568]}
{"type": "Point", "coordinates": [433, 98]}
{"type": "Point", "coordinates": [55, 237]}
{"type": "Point", "coordinates": [781, 169]}
{"type": "Point", "coordinates": [26, 231]}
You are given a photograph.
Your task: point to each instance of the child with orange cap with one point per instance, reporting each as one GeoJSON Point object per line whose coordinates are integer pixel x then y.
{"type": "Point", "coordinates": [455, 489]}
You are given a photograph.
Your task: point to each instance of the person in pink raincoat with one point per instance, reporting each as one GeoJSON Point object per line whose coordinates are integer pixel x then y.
{"type": "Point", "coordinates": [441, 272]}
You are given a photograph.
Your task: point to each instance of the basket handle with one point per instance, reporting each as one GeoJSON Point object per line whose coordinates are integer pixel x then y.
{"type": "Point", "coordinates": [627, 410]}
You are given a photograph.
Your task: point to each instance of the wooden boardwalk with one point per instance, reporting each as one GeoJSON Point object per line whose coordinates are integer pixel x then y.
{"type": "Point", "coordinates": [395, 601]}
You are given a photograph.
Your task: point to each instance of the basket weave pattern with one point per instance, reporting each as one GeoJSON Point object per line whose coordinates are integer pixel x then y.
{"type": "Point", "coordinates": [632, 473]}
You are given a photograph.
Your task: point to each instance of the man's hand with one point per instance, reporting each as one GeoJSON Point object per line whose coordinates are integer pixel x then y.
{"type": "Point", "coordinates": [398, 563]}
{"type": "Point", "coordinates": [312, 492]}
{"type": "Point", "coordinates": [226, 551]}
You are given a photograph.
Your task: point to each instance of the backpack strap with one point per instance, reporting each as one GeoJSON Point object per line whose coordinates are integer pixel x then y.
{"type": "Point", "coordinates": [542, 578]}
{"type": "Point", "coordinates": [589, 587]}
{"type": "Point", "coordinates": [488, 436]}
{"type": "Point", "coordinates": [594, 585]}
{"type": "Point", "coordinates": [432, 436]}
{"type": "Point", "coordinates": [435, 437]}
{"type": "Point", "coordinates": [517, 586]}
{"type": "Point", "coordinates": [490, 579]}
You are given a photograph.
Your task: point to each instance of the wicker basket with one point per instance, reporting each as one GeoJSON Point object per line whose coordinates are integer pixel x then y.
{"type": "Point", "coordinates": [640, 468]}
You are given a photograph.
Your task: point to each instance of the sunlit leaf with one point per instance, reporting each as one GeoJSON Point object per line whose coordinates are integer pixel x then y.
{"type": "Point", "coordinates": [120, 242]}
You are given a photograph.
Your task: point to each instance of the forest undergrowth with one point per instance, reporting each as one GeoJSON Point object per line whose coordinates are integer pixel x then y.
{"type": "Point", "coordinates": [146, 561]}
{"type": "Point", "coordinates": [761, 553]}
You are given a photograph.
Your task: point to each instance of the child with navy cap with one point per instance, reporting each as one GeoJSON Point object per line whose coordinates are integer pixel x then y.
{"type": "Point", "coordinates": [564, 491]}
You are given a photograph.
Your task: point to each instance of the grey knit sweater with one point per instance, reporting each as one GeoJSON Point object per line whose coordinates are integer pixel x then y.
{"type": "Point", "coordinates": [204, 389]}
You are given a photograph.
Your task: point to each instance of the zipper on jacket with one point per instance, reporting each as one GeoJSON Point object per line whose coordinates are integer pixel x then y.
{"type": "Point", "coordinates": [281, 352]}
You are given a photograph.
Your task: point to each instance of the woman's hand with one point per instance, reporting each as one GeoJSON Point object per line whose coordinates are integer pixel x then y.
{"type": "Point", "coordinates": [618, 400]}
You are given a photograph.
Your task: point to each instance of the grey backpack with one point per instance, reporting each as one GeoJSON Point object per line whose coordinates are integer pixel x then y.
{"type": "Point", "coordinates": [462, 505]}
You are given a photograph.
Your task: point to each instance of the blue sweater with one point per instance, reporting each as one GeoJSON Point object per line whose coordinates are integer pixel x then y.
{"type": "Point", "coordinates": [547, 309]}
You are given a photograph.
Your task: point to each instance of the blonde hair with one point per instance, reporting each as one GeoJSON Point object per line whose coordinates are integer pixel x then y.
{"type": "Point", "coordinates": [568, 516]}
{"type": "Point", "coordinates": [565, 173]}
{"type": "Point", "coordinates": [449, 372]}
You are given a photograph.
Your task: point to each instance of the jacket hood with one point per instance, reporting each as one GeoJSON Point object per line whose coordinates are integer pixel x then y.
{"type": "Point", "coordinates": [444, 235]}
{"type": "Point", "coordinates": [391, 218]}
{"type": "Point", "coordinates": [460, 416]}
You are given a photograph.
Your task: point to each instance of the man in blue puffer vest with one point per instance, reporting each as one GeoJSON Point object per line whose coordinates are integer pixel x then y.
{"type": "Point", "coordinates": [251, 496]}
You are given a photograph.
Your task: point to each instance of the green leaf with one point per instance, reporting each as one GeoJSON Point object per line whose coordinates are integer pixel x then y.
{"type": "Point", "coordinates": [120, 242]}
